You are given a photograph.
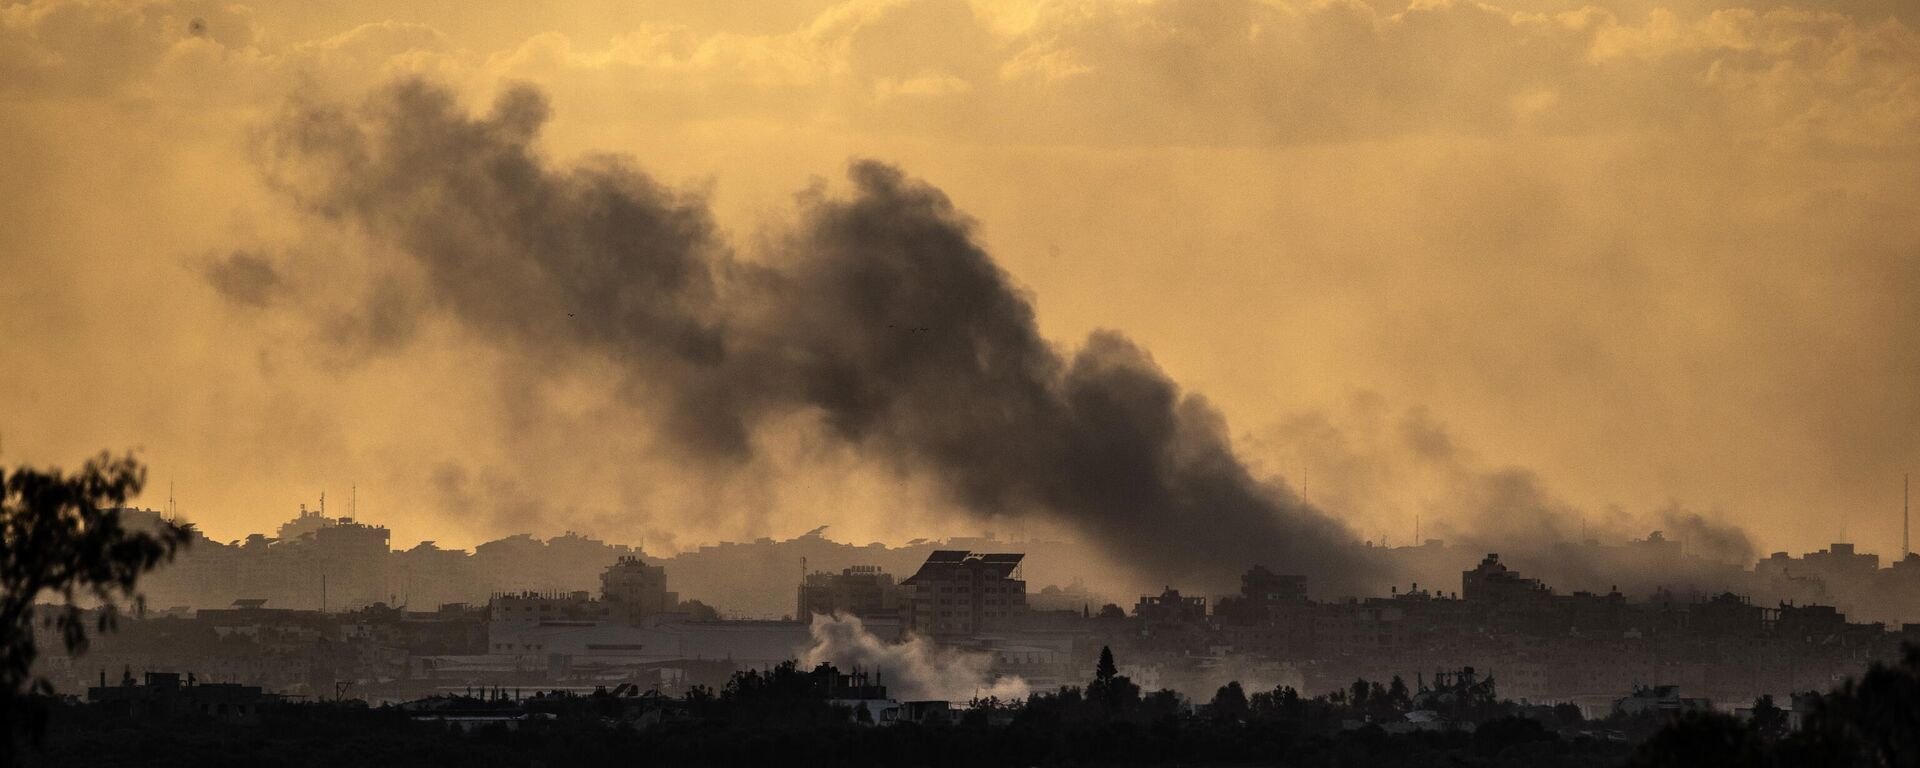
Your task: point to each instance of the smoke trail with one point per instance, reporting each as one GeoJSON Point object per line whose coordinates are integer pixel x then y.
{"type": "Point", "coordinates": [914, 670]}
{"type": "Point", "coordinates": [1394, 463]}
{"type": "Point", "coordinates": [878, 314]}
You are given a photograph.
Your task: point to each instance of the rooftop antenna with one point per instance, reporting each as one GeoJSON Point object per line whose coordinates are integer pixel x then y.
{"type": "Point", "coordinates": [353, 500]}
{"type": "Point", "coordinates": [1416, 529]}
{"type": "Point", "coordinates": [1906, 513]}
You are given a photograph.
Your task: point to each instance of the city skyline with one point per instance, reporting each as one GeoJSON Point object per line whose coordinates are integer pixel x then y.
{"type": "Point", "coordinates": [946, 383]}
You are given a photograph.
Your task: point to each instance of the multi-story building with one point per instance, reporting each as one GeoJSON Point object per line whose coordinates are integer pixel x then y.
{"type": "Point", "coordinates": [860, 590]}
{"type": "Point", "coordinates": [427, 577]}
{"type": "Point", "coordinates": [353, 557]}
{"type": "Point", "coordinates": [958, 593]}
{"type": "Point", "coordinates": [634, 589]}
{"type": "Point", "coordinates": [1171, 608]}
{"type": "Point", "coordinates": [1492, 581]}
{"type": "Point", "coordinates": [1264, 587]}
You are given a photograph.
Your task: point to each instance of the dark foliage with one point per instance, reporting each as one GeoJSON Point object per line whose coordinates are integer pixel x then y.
{"type": "Point", "coordinates": [62, 539]}
{"type": "Point", "coordinates": [1872, 720]}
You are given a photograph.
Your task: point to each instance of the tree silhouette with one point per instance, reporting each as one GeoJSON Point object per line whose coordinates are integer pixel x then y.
{"type": "Point", "coordinates": [1873, 719]}
{"type": "Point", "coordinates": [61, 538]}
{"type": "Point", "coordinates": [1696, 739]}
{"type": "Point", "coordinates": [1398, 696]}
{"type": "Point", "coordinates": [1769, 720]}
{"type": "Point", "coordinates": [1229, 703]}
{"type": "Point", "coordinates": [1111, 692]}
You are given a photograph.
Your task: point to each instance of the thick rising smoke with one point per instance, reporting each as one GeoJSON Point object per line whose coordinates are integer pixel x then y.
{"type": "Point", "coordinates": [1384, 466]}
{"type": "Point", "coordinates": [877, 317]}
{"type": "Point", "coordinates": [913, 670]}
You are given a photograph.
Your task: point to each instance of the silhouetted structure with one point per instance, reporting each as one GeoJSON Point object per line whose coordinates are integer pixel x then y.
{"type": "Point", "coordinates": [960, 593]}
{"type": "Point", "coordinates": [166, 693]}
{"type": "Point", "coordinates": [860, 590]}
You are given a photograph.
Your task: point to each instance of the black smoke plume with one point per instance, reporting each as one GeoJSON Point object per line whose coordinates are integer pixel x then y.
{"type": "Point", "coordinates": [877, 314]}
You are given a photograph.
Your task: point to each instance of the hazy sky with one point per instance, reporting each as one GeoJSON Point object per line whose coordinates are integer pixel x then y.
{"type": "Point", "coordinates": [1646, 255]}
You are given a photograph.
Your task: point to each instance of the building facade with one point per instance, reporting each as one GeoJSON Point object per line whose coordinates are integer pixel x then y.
{"type": "Point", "coordinates": [958, 593]}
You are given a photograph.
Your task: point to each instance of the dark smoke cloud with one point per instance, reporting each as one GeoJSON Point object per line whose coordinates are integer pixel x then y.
{"type": "Point", "coordinates": [877, 313]}
{"type": "Point", "coordinates": [1716, 541]}
{"type": "Point", "coordinates": [596, 258]}
{"type": "Point", "coordinates": [243, 278]}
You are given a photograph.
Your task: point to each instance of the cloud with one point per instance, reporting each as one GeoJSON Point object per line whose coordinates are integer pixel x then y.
{"type": "Point", "coordinates": [1379, 466]}
{"type": "Point", "coordinates": [244, 278]}
{"type": "Point", "coordinates": [1649, 250]}
{"type": "Point", "coordinates": [878, 313]}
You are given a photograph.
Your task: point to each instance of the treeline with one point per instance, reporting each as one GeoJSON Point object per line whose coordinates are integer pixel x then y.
{"type": "Point", "coordinates": [1871, 720]}
{"type": "Point", "coordinates": [784, 716]}
{"type": "Point", "coordinates": [324, 735]}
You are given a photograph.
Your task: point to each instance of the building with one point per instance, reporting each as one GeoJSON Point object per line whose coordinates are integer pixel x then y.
{"type": "Point", "coordinates": [165, 694]}
{"type": "Point", "coordinates": [353, 559]}
{"type": "Point", "coordinates": [1491, 581]}
{"type": "Point", "coordinates": [427, 576]}
{"type": "Point", "coordinates": [1726, 615]}
{"type": "Point", "coordinates": [958, 593]}
{"type": "Point", "coordinates": [1841, 560]}
{"type": "Point", "coordinates": [1665, 699]}
{"type": "Point", "coordinates": [1170, 608]}
{"type": "Point", "coordinates": [525, 608]}
{"type": "Point", "coordinates": [633, 589]}
{"type": "Point", "coordinates": [1263, 587]}
{"type": "Point", "coordinates": [860, 590]}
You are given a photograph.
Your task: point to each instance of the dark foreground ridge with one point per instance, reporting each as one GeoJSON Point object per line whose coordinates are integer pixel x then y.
{"type": "Point", "coordinates": [787, 715]}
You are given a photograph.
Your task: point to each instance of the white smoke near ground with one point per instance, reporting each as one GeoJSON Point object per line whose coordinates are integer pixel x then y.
{"type": "Point", "coordinates": [913, 670]}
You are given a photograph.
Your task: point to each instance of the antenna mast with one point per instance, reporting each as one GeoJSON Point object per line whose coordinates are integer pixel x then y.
{"type": "Point", "coordinates": [1906, 513]}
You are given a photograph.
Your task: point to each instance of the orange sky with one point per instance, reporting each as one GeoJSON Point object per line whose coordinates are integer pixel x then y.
{"type": "Point", "coordinates": [1655, 253]}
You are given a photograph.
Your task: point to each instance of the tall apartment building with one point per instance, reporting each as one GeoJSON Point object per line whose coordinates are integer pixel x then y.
{"type": "Point", "coordinates": [958, 593]}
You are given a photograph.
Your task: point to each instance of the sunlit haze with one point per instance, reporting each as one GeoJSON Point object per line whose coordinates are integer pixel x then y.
{"type": "Point", "coordinates": [1528, 269]}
